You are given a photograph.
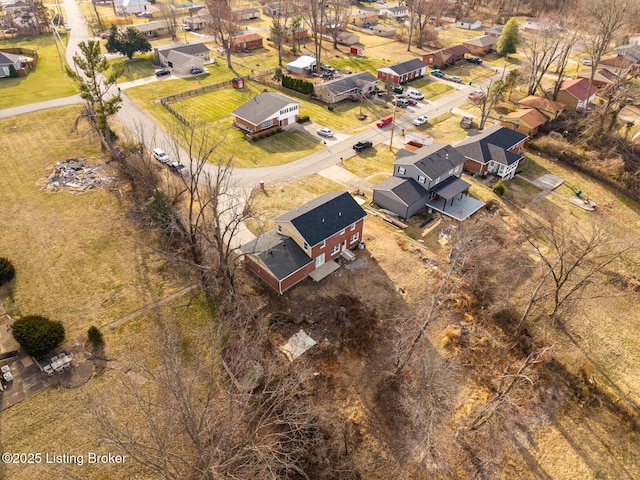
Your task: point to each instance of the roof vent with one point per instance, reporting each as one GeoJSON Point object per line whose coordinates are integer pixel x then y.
{"type": "Point", "coordinates": [339, 214]}
{"type": "Point", "coordinates": [323, 220]}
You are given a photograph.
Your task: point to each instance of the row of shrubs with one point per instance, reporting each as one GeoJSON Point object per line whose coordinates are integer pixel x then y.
{"type": "Point", "coordinates": [37, 334]}
{"type": "Point", "coordinates": [255, 138]}
{"type": "Point", "coordinates": [303, 118]}
{"type": "Point", "coordinates": [297, 84]}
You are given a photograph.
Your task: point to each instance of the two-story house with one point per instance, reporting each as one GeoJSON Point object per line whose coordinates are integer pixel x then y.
{"type": "Point", "coordinates": [427, 177]}
{"type": "Point", "coordinates": [305, 239]}
{"type": "Point", "coordinates": [268, 110]}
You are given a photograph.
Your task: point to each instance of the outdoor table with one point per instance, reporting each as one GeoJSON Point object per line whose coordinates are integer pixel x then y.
{"type": "Point", "coordinates": [57, 365]}
{"type": "Point", "coordinates": [7, 376]}
{"type": "Point", "coordinates": [5, 368]}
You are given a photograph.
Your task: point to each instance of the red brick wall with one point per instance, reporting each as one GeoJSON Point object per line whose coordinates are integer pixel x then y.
{"type": "Point", "coordinates": [337, 239]}
{"type": "Point", "coordinates": [475, 167]}
{"type": "Point", "coordinates": [297, 277]}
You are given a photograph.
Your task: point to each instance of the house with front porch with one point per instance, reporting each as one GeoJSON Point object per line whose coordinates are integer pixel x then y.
{"type": "Point", "coordinates": [346, 87]}
{"type": "Point", "coordinates": [427, 177]}
{"type": "Point", "coordinates": [403, 72]}
{"type": "Point", "coordinates": [305, 240]}
{"type": "Point", "coordinates": [266, 111]}
{"type": "Point", "coordinates": [496, 150]}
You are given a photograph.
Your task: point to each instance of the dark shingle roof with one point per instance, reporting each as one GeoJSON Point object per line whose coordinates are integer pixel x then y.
{"type": "Point", "coordinates": [281, 254]}
{"type": "Point", "coordinates": [492, 144]}
{"type": "Point", "coordinates": [407, 67]}
{"type": "Point", "coordinates": [349, 82]}
{"type": "Point", "coordinates": [451, 187]}
{"type": "Point", "coordinates": [324, 216]}
{"type": "Point", "coordinates": [406, 189]}
{"type": "Point", "coordinates": [262, 107]}
{"type": "Point", "coordinates": [8, 58]}
{"type": "Point", "coordinates": [191, 49]}
{"type": "Point", "coordinates": [482, 41]}
{"type": "Point", "coordinates": [434, 160]}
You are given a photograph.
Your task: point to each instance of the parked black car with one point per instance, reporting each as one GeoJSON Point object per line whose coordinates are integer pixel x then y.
{"type": "Point", "coordinates": [475, 60]}
{"type": "Point", "coordinates": [362, 146]}
{"type": "Point", "coordinates": [196, 70]}
{"type": "Point", "coordinates": [162, 72]}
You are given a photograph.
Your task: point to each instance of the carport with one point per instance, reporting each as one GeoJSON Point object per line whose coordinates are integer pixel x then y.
{"type": "Point", "coordinates": [451, 197]}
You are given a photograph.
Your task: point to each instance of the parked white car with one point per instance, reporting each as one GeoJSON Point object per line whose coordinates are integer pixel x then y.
{"type": "Point", "coordinates": [161, 156]}
{"type": "Point", "coordinates": [415, 94]}
{"type": "Point", "coordinates": [421, 120]}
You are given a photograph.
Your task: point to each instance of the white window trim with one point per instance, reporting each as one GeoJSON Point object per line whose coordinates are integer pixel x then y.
{"type": "Point", "coordinates": [335, 249]}
{"type": "Point", "coordinates": [355, 237]}
{"type": "Point", "coordinates": [402, 170]}
{"type": "Point", "coordinates": [305, 245]}
{"type": "Point", "coordinates": [323, 244]}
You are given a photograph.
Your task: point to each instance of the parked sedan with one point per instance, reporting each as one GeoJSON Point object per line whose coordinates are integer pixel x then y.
{"type": "Point", "coordinates": [179, 168]}
{"type": "Point", "coordinates": [421, 120]}
{"type": "Point", "coordinates": [196, 70]}
{"type": "Point", "coordinates": [162, 72]}
{"type": "Point", "coordinates": [325, 132]}
{"type": "Point", "coordinates": [455, 79]}
{"type": "Point", "coordinates": [437, 73]}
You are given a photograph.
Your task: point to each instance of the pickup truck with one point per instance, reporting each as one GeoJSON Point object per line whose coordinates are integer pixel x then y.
{"type": "Point", "coordinates": [362, 146]}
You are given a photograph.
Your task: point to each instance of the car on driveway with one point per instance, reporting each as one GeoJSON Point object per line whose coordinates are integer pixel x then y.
{"type": "Point", "coordinates": [362, 146]}
{"type": "Point", "coordinates": [438, 73]}
{"type": "Point", "coordinates": [325, 132]}
{"type": "Point", "coordinates": [421, 120]}
{"type": "Point", "coordinates": [105, 35]}
{"type": "Point", "coordinates": [161, 72]}
{"type": "Point", "coordinates": [475, 60]}
{"type": "Point", "coordinates": [161, 156]}
{"type": "Point", "coordinates": [455, 79]}
{"type": "Point", "coordinates": [196, 70]}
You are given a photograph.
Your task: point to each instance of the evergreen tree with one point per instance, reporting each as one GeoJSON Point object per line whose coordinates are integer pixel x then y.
{"type": "Point", "coordinates": [508, 38]}
{"type": "Point", "coordinates": [128, 42]}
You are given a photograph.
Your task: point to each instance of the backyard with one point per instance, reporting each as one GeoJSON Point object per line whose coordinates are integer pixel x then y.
{"type": "Point", "coordinates": [46, 82]}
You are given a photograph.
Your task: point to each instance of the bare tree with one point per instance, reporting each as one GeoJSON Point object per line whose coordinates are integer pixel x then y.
{"type": "Point", "coordinates": [315, 18]}
{"type": "Point", "coordinates": [279, 27]}
{"type": "Point", "coordinates": [541, 49]}
{"type": "Point", "coordinates": [569, 39]}
{"type": "Point", "coordinates": [616, 96]}
{"type": "Point", "coordinates": [420, 13]}
{"type": "Point", "coordinates": [570, 256]}
{"type": "Point", "coordinates": [337, 17]}
{"type": "Point", "coordinates": [489, 100]}
{"type": "Point", "coordinates": [169, 15]}
{"type": "Point", "coordinates": [188, 421]}
{"type": "Point", "coordinates": [223, 25]}
{"type": "Point", "coordinates": [604, 19]}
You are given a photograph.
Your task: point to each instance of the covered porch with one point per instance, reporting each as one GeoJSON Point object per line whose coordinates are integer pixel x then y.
{"type": "Point", "coordinates": [451, 197]}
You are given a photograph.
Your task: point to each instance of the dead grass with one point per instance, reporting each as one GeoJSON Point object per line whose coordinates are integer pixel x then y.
{"type": "Point", "coordinates": [78, 258]}
{"type": "Point", "coordinates": [520, 192]}
{"type": "Point", "coordinates": [282, 197]}
{"type": "Point", "coordinates": [371, 162]}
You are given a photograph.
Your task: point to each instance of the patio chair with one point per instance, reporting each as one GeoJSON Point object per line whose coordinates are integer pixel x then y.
{"type": "Point", "coordinates": [48, 370]}
{"type": "Point", "coordinates": [54, 358]}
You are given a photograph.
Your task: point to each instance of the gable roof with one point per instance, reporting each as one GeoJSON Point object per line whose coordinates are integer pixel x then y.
{"type": "Point", "coordinates": [578, 88]}
{"type": "Point", "coordinates": [179, 58]}
{"type": "Point", "coordinates": [191, 49]}
{"type": "Point", "coordinates": [629, 52]}
{"type": "Point", "coordinates": [495, 30]}
{"type": "Point", "coordinates": [614, 61]}
{"type": "Point", "coordinates": [281, 254]}
{"type": "Point", "coordinates": [324, 216]}
{"type": "Point", "coordinates": [9, 58]}
{"type": "Point", "coordinates": [543, 104]}
{"type": "Point", "coordinates": [402, 68]}
{"type": "Point", "coordinates": [446, 53]}
{"type": "Point", "coordinates": [249, 37]}
{"type": "Point", "coordinates": [492, 144]}
{"type": "Point", "coordinates": [482, 41]}
{"type": "Point", "coordinates": [529, 116]}
{"type": "Point", "coordinates": [151, 26]}
{"type": "Point", "coordinates": [407, 190]}
{"type": "Point", "coordinates": [434, 160]}
{"type": "Point", "coordinates": [348, 82]}
{"type": "Point", "coordinates": [468, 20]}
{"type": "Point", "coordinates": [263, 106]}
{"type": "Point", "coordinates": [602, 75]}
{"type": "Point", "coordinates": [397, 9]}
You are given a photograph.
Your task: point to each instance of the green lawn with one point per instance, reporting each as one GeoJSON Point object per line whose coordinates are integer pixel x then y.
{"type": "Point", "coordinates": [372, 162]}
{"type": "Point", "coordinates": [139, 66]}
{"type": "Point", "coordinates": [46, 82]}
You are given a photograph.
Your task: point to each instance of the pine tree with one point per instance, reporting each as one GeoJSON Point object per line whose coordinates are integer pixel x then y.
{"type": "Point", "coordinates": [508, 38]}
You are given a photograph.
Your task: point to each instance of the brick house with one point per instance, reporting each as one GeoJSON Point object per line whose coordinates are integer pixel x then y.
{"type": "Point", "coordinates": [496, 150]}
{"type": "Point", "coordinates": [250, 41]}
{"type": "Point", "coordinates": [403, 72]}
{"type": "Point", "coordinates": [481, 45]}
{"type": "Point", "coordinates": [446, 56]}
{"type": "Point", "coordinates": [304, 239]}
{"type": "Point", "coordinates": [268, 110]}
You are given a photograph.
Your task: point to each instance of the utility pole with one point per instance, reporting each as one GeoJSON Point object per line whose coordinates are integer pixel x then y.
{"type": "Point", "coordinates": [393, 126]}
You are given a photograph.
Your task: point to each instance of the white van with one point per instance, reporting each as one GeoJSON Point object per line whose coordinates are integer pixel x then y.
{"type": "Point", "coordinates": [415, 94]}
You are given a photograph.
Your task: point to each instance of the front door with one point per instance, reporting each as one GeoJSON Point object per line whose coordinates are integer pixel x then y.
{"type": "Point", "coordinates": [319, 260]}
{"type": "Point", "coordinates": [344, 245]}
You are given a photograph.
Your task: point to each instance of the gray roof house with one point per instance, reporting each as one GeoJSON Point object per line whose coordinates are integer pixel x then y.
{"type": "Point", "coordinates": [427, 177]}
{"type": "Point", "coordinates": [306, 240]}
{"type": "Point", "coordinates": [630, 52]}
{"type": "Point", "coordinates": [182, 58]}
{"type": "Point", "coordinates": [495, 150]}
{"type": "Point", "coordinates": [11, 64]}
{"type": "Point", "coordinates": [346, 87]}
{"type": "Point", "coordinates": [266, 111]}
{"type": "Point", "coordinates": [403, 72]}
